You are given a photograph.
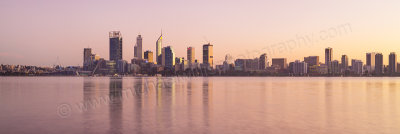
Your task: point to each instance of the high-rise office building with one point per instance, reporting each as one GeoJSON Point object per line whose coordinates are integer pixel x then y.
{"type": "Point", "coordinates": [357, 66]}
{"type": "Point", "coordinates": [333, 67]}
{"type": "Point", "coordinates": [398, 67]}
{"type": "Point", "coordinates": [208, 58]}
{"type": "Point", "coordinates": [168, 57]}
{"type": "Point", "coordinates": [138, 47]}
{"type": "Point", "coordinates": [279, 62]}
{"type": "Point", "coordinates": [158, 50]}
{"type": "Point", "coordinates": [87, 58]}
{"type": "Point", "coordinates": [344, 63]}
{"type": "Point", "coordinates": [148, 55]}
{"type": "Point", "coordinates": [328, 55]}
{"type": "Point", "coordinates": [392, 62]}
{"type": "Point", "coordinates": [299, 68]}
{"type": "Point", "coordinates": [379, 63]}
{"type": "Point", "coordinates": [179, 60]}
{"type": "Point", "coordinates": [312, 60]}
{"type": "Point", "coordinates": [135, 54]}
{"type": "Point", "coordinates": [370, 59]}
{"type": "Point", "coordinates": [115, 45]}
{"type": "Point", "coordinates": [263, 62]}
{"type": "Point", "coordinates": [190, 55]}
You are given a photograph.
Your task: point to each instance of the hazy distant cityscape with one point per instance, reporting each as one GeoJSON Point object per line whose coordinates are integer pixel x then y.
{"type": "Point", "coordinates": [166, 63]}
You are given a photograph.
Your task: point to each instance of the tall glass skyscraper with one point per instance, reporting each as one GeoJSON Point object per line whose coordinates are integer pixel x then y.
{"type": "Point", "coordinates": [115, 46]}
{"type": "Point", "coordinates": [208, 55]}
{"type": "Point", "coordinates": [138, 52]}
{"type": "Point", "coordinates": [190, 55]}
{"type": "Point", "coordinates": [328, 55]}
{"type": "Point", "coordinates": [370, 62]}
{"type": "Point", "coordinates": [379, 64]}
{"type": "Point", "coordinates": [344, 63]}
{"type": "Point", "coordinates": [168, 57]}
{"type": "Point", "coordinates": [158, 50]}
{"type": "Point", "coordinates": [87, 58]}
{"type": "Point", "coordinates": [392, 62]}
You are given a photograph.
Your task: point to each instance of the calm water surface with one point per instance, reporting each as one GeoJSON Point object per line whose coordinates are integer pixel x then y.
{"type": "Point", "coordinates": [199, 105]}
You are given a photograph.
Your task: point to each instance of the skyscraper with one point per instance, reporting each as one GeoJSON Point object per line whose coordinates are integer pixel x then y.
{"type": "Point", "coordinates": [379, 63]}
{"type": "Point", "coordinates": [138, 47]}
{"type": "Point", "coordinates": [168, 57]}
{"type": "Point", "coordinates": [158, 50]}
{"type": "Point", "coordinates": [392, 62]}
{"type": "Point", "coordinates": [357, 66]}
{"type": "Point", "coordinates": [344, 63]}
{"type": "Point", "coordinates": [333, 67]}
{"type": "Point", "coordinates": [208, 55]}
{"type": "Point", "coordinates": [263, 63]}
{"type": "Point", "coordinates": [87, 58]}
{"type": "Point", "coordinates": [328, 55]}
{"type": "Point", "coordinates": [115, 45]}
{"type": "Point", "coordinates": [370, 59]}
{"type": "Point", "coordinates": [135, 54]}
{"type": "Point", "coordinates": [148, 55]}
{"type": "Point", "coordinates": [190, 55]}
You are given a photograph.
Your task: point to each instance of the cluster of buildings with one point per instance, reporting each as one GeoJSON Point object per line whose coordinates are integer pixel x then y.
{"type": "Point", "coordinates": [164, 61]}
{"type": "Point", "coordinates": [25, 70]}
{"type": "Point", "coordinates": [311, 66]}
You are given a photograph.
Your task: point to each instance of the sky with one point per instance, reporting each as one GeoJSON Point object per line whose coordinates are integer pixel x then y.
{"type": "Point", "coordinates": [50, 32]}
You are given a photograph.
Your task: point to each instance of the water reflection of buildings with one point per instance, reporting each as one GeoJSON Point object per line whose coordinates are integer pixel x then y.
{"type": "Point", "coordinates": [115, 106]}
{"type": "Point", "coordinates": [207, 101]}
{"type": "Point", "coordinates": [89, 93]}
{"type": "Point", "coordinates": [165, 95]}
{"type": "Point", "coordinates": [140, 99]}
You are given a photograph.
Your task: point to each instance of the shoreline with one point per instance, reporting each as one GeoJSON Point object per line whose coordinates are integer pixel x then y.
{"type": "Point", "coordinates": [198, 76]}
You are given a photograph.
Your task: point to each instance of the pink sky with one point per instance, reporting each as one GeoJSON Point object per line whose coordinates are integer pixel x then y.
{"type": "Point", "coordinates": [37, 32]}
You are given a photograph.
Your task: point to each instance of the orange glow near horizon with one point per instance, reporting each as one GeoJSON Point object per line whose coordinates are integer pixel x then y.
{"type": "Point", "coordinates": [36, 33]}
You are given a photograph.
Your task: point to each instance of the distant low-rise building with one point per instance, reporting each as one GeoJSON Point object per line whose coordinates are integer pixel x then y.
{"type": "Point", "coordinates": [148, 55]}
{"type": "Point", "coordinates": [121, 66]}
{"type": "Point", "coordinates": [312, 60]}
{"type": "Point", "coordinates": [247, 64]}
{"type": "Point", "coordinates": [357, 67]}
{"type": "Point", "coordinates": [279, 62]}
{"type": "Point", "coordinates": [333, 67]}
{"type": "Point", "coordinates": [322, 69]}
{"type": "Point", "coordinates": [299, 68]}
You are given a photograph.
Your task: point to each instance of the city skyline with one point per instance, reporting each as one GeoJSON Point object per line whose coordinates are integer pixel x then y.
{"type": "Point", "coordinates": [54, 38]}
{"type": "Point", "coordinates": [209, 66]}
